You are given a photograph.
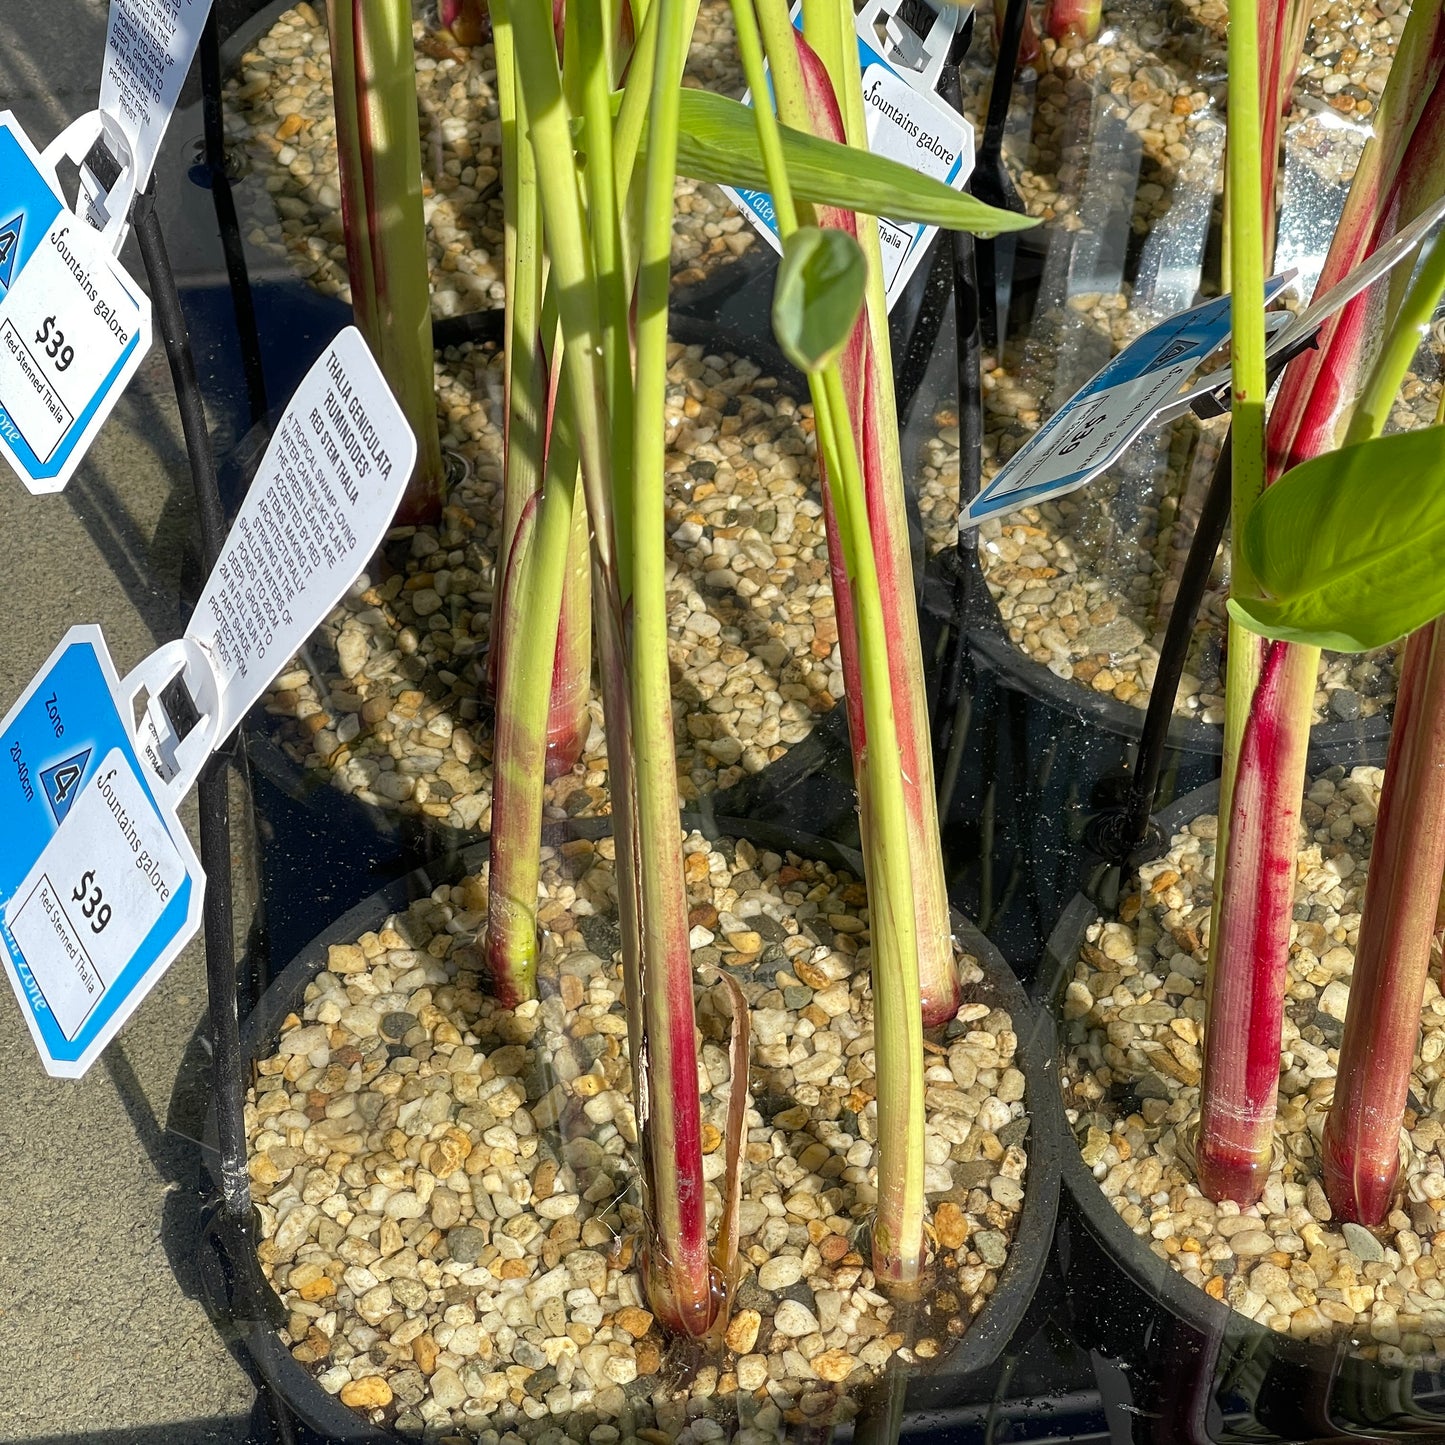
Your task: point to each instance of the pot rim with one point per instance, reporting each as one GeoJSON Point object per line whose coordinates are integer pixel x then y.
{"type": "Point", "coordinates": [990, 643]}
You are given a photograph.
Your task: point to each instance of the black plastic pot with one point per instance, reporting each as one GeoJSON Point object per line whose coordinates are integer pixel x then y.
{"type": "Point", "coordinates": [1192, 1358]}
{"type": "Point", "coordinates": [244, 1305]}
{"type": "Point", "coordinates": [991, 645]}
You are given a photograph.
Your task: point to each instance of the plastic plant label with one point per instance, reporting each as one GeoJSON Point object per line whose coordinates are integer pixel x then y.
{"type": "Point", "coordinates": [316, 511]}
{"type": "Point", "coordinates": [99, 886]}
{"type": "Point", "coordinates": [73, 325]}
{"type": "Point", "coordinates": [1095, 426]}
{"type": "Point", "coordinates": [149, 45]}
{"type": "Point", "coordinates": [906, 122]}
{"type": "Point", "coordinates": [1090, 432]}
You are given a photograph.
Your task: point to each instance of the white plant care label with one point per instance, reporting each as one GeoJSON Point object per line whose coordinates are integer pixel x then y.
{"type": "Point", "coordinates": [919, 130]}
{"type": "Point", "coordinates": [73, 325]}
{"type": "Point", "coordinates": [73, 330]}
{"type": "Point", "coordinates": [318, 507]}
{"type": "Point", "coordinates": [906, 121]}
{"type": "Point", "coordinates": [149, 45]}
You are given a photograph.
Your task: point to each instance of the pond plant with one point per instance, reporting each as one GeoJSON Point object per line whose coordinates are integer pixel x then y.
{"type": "Point", "coordinates": [596, 126]}
{"type": "Point", "coordinates": [1335, 553]}
{"type": "Point", "coordinates": [378, 139]}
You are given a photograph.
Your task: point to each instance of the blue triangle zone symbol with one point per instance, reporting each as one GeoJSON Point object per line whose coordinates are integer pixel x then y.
{"type": "Point", "coordinates": [61, 782]}
{"type": "Point", "coordinates": [9, 248]}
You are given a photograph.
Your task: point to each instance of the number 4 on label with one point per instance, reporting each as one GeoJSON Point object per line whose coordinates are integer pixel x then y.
{"type": "Point", "coordinates": [60, 782]}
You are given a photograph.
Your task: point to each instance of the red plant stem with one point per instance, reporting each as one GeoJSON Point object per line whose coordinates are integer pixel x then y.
{"type": "Point", "coordinates": [1249, 951]}
{"type": "Point", "coordinates": [379, 156]}
{"type": "Point", "coordinates": [1073, 22]}
{"type": "Point", "coordinates": [1362, 1133]}
{"type": "Point", "coordinates": [1283, 28]}
{"type": "Point", "coordinates": [466, 19]}
{"type": "Point", "coordinates": [568, 721]}
{"type": "Point", "coordinates": [1399, 167]}
{"type": "Point", "coordinates": [1249, 947]}
{"type": "Point", "coordinates": [1029, 48]}
{"type": "Point", "coordinates": [888, 524]}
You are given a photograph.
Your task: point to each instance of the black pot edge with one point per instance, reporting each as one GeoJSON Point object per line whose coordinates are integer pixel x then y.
{"type": "Point", "coordinates": [987, 1336]}
{"type": "Point", "coordinates": [1029, 1249]}
{"type": "Point", "coordinates": [1139, 1264]}
{"type": "Point", "coordinates": [989, 641]}
{"type": "Point", "coordinates": [249, 31]}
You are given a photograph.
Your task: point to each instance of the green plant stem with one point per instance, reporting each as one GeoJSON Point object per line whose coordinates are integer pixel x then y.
{"type": "Point", "coordinates": [536, 574]}
{"type": "Point", "coordinates": [528, 382]}
{"type": "Point", "coordinates": [1409, 328]}
{"type": "Point", "coordinates": [378, 143]}
{"type": "Point", "coordinates": [898, 1254]}
{"type": "Point", "coordinates": [787, 85]}
{"type": "Point", "coordinates": [898, 1244]}
{"type": "Point", "coordinates": [669, 1110]}
{"type": "Point", "coordinates": [1247, 363]}
{"type": "Point", "coordinates": [575, 291]}
{"type": "Point", "coordinates": [604, 224]}
{"type": "Point", "coordinates": [542, 721]}
{"type": "Point", "coordinates": [790, 95]}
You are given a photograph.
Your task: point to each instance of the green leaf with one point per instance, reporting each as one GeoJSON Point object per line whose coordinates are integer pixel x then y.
{"type": "Point", "coordinates": [818, 295]}
{"type": "Point", "coordinates": [719, 143]}
{"type": "Point", "coordinates": [1347, 546]}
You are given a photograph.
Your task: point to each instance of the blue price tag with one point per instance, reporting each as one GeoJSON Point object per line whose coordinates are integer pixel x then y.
{"type": "Point", "coordinates": [73, 326]}
{"type": "Point", "coordinates": [99, 886]}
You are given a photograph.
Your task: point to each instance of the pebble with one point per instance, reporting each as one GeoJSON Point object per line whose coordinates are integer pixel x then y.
{"type": "Point", "coordinates": [370, 1392]}
{"type": "Point", "coordinates": [1362, 1243]}
{"type": "Point", "coordinates": [465, 1244]}
{"type": "Point", "coordinates": [794, 1319]}
{"type": "Point", "coordinates": [486, 1269]}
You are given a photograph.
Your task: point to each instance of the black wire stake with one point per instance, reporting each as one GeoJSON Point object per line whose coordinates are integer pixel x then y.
{"type": "Point", "coordinates": [990, 181]}
{"type": "Point", "coordinates": [967, 344]}
{"type": "Point", "coordinates": [1135, 830]}
{"type": "Point", "coordinates": [242, 302]}
{"type": "Point", "coordinates": [212, 789]}
{"type": "Point", "coordinates": [1193, 580]}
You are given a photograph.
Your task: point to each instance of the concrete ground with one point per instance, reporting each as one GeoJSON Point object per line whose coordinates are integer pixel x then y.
{"type": "Point", "coordinates": [101, 1336]}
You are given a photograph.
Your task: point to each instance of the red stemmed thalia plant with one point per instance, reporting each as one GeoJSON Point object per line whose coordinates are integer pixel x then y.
{"type": "Point", "coordinates": [1332, 548]}
{"type": "Point", "coordinates": [594, 134]}
{"type": "Point", "coordinates": [378, 144]}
